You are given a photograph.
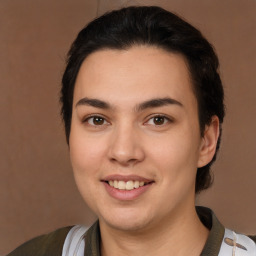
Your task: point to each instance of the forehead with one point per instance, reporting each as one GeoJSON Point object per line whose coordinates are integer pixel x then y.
{"type": "Point", "coordinates": [138, 73]}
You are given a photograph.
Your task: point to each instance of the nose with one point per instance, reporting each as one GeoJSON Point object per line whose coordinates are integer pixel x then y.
{"type": "Point", "coordinates": [126, 147]}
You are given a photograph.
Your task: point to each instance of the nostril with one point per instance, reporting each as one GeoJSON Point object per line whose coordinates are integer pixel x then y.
{"type": "Point", "coordinates": [124, 160]}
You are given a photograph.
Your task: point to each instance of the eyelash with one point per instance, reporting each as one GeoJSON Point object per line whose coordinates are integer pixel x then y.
{"type": "Point", "coordinates": [166, 120]}
{"type": "Point", "coordinates": [105, 122]}
{"type": "Point", "coordinates": [86, 120]}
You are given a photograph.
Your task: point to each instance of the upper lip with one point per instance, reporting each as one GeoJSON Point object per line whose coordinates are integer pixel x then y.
{"type": "Point", "coordinates": [126, 178]}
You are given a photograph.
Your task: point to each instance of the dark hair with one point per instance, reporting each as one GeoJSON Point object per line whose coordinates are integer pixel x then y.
{"type": "Point", "coordinates": [151, 25]}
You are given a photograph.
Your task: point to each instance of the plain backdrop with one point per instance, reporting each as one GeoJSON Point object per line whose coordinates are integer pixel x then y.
{"type": "Point", "coordinates": [37, 189]}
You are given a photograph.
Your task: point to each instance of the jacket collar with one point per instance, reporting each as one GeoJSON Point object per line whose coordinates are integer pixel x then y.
{"type": "Point", "coordinates": [207, 217]}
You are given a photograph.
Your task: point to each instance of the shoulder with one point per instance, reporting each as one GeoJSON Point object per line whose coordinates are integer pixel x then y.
{"type": "Point", "coordinates": [237, 242]}
{"type": "Point", "coordinates": [49, 244]}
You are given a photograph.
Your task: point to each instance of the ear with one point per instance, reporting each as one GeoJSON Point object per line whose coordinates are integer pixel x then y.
{"type": "Point", "coordinates": [209, 142]}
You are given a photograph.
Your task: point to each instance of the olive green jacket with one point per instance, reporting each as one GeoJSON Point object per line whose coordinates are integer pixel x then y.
{"type": "Point", "coordinates": [52, 244]}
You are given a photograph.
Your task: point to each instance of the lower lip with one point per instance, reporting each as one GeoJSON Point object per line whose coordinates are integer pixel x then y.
{"type": "Point", "coordinates": [126, 195]}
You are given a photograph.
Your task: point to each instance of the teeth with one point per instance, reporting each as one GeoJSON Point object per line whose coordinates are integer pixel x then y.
{"type": "Point", "coordinates": [129, 185]}
{"type": "Point", "coordinates": [136, 184]}
{"type": "Point", "coordinates": [115, 184]}
{"type": "Point", "coordinates": [121, 185]}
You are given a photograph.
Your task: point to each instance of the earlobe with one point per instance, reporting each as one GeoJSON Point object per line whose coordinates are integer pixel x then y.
{"type": "Point", "coordinates": [209, 142]}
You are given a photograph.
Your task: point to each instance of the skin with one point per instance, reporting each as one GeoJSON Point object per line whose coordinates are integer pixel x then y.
{"type": "Point", "coordinates": [128, 139]}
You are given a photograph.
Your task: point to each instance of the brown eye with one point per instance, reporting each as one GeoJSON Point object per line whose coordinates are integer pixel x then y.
{"type": "Point", "coordinates": [96, 120]}
{"type": "Point", "coordinates": [159, 120]}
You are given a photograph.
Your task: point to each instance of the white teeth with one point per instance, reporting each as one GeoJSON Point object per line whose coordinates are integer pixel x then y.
{"type": "Point", "coordinates": [121, 184]}
{"type": "Point", "coordinates": [136, 184]}
{"type": "Point", "coordinates": [115, 184]}
{"type": "Point", "coordinates": [129, 185]}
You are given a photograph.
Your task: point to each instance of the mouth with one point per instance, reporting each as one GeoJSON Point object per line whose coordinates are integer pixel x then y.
{"type": "Point", "coordinates": [127, 185]}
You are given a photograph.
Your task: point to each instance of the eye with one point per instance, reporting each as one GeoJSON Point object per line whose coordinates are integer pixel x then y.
{"type": "Point", "coordinates": [158, 120]}
{"type": "Point", "coordinates": [96, 121]}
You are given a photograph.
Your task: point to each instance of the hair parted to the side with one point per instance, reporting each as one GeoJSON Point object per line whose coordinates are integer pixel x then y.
{"type": "Point", "coordinates": [152, 26]}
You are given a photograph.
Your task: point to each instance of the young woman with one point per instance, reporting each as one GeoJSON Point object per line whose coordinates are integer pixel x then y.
{"type": "Point", "coordinates": [142, 103]}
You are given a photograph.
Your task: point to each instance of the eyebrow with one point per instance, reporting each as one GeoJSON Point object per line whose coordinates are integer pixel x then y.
{"type": "Point", "coordinates": [158, 102]}
{"type": "Point", "coordinates": [94, 103]}
{"type": "Point", "coordinates": [152, 103]}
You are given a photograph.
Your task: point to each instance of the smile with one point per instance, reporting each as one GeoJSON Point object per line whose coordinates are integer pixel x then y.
{"type": "Point", "coordinates": [129, 185]}
{"type": "Point", "coordinates": [126, 187]}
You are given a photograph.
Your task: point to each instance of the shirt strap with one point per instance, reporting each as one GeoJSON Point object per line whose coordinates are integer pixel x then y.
{"type": "Point", "coordinates": [75, 243]}
{"type": "Point", "coordinates": [234, 244]}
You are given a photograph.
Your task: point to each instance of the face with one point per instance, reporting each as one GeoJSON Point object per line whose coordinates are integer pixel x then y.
{"type": "Point", "coordinates": [135, 141]}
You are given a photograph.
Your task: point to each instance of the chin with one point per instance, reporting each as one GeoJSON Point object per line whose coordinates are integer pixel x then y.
{"type": "Point", "coordinates": [126, 220]}
{"type": "Point", "coordinates": [128, 225]}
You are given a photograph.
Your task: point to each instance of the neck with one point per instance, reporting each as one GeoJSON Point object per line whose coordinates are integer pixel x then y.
{"type": "Point", "coordinates": [178, 235]}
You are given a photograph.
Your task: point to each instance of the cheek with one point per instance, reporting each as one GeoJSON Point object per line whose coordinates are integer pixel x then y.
{"type": "Point", "coordinates": [176, 155]}
{"type": "Point", "coordinates": [182, 146]}
{"type": "Point", "coordinates": [86, 153]}
{"type": "Point", "coordinates": [86, 158]}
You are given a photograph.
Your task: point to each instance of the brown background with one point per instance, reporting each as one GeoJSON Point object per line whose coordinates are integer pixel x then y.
{"type": "Point", "coordinates": [37, 190]}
